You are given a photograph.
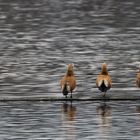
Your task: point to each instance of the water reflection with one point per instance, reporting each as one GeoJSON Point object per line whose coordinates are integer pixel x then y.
{"type": "Point", "coordinates": [104, 115]}
{"type": "Point", "coordinates": [104, 112]}
{"type": "Point", "coordinates": [68, 120]}
{"type": "Point", "coordinates": [69, 110]}
{"type": "Point", "coordinates": [138, 112]}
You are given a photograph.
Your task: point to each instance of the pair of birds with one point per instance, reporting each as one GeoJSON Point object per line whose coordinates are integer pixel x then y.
{"type": "Point", "coordinates": [68, 82]}
{"type": "Point", "coordinates": [103, 81]}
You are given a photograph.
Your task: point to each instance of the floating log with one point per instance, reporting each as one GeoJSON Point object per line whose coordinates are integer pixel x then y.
{"type": "Point", "coordinates": [44, 98]}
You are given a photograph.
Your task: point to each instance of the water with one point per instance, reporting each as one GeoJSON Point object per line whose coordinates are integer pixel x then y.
{"type": "Point", "coordinates": [39, 38]}
{"type": "Point", "coordinates": [63, 121]}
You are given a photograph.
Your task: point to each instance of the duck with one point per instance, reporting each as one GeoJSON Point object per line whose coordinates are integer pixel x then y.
{"type": "Point", "coordinates": [103, 81]}
{"type": "Point", "coordinates": [68, 81]}
{"type": "Point", "coordinates": [138, 79]}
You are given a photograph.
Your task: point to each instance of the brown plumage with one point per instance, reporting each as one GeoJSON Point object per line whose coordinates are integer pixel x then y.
{"type": "Point", "coordinates": [103, 80]}
{"type": "Point", "coordinates": [68, 82]}
{"type": "Point", "coordinates": [138, 79]}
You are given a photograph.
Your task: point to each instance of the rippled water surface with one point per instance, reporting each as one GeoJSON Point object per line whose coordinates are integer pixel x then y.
{"type": "Point", "coordinates": [66, 121]}
{"type": "Point", "coordinates": [39, 37]}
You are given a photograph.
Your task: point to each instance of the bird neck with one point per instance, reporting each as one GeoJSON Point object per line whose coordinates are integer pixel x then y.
{"type": "Point", "coordinates": [104, 71]}
{"type": "Point", "coordinates": [69, 73]}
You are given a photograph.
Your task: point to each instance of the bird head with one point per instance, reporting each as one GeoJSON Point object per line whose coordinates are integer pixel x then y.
{"type": "Point", "coordinates": [70, 69]}
{"type": "Point", "coordinates": [104, 69]}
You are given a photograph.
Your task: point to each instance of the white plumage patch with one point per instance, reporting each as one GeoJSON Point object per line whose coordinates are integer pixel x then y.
{"type": "Point", "coordinates": [62, 88]}
{"type": "Point", "coordinates": [68, 87]}
{"type": "Point", "coordinates": [100, 83]}
{"type": "Point", "coordinates": [106, 83]}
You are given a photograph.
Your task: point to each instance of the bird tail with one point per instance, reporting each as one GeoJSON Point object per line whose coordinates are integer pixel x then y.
{"type": "Point", "coordinates": [65, 88]}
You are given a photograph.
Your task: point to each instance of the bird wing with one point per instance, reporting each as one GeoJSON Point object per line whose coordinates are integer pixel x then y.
{"type": "Point", "coordinates": [62, 81]}
{"type": "Point", "coordinates": [138, 80]}
{"type": "Point", "coordinates": [105, 78]}
{"type": "Point", "coordinates": [99, 80]}
{"type": "Point", "coordinates": [72, 82]}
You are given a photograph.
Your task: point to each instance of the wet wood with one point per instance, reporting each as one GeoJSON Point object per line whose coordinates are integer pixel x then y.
{"type": "Point", "coordinates": [28, 98]}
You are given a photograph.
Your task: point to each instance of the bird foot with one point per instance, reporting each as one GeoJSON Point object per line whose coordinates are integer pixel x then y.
{"type": "Point", "coordinates": [104, 94]}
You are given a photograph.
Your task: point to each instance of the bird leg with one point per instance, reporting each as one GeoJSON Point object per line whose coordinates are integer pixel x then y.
{"type": "Point", "coordinates": [71, 95]}
{"type": "Point", "coordinates": [71, 103]}
{"type": "Point", "coordinates": [104, 94]}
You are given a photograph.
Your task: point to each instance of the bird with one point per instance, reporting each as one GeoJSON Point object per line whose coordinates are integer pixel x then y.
{"type": "Point", "coordinates": [68, 81]}
{"type": "Point", "coordinates": [138, 79]}
{"type": "Point", "coordinates": [103, 81]}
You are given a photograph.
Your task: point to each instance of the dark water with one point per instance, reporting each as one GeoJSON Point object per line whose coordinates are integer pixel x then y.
{"type": "Point", "coordinates": [39, 37]}
{"type": "Point", "coordinates": [61, 121]}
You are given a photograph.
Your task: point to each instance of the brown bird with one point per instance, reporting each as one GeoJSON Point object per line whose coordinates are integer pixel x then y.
{"type": "Point", "coordinates": [68, 82]}
{"type": "Point", "coordinates": [138, 79]}
{"type": "Point", "coordinates": [103, 80]}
